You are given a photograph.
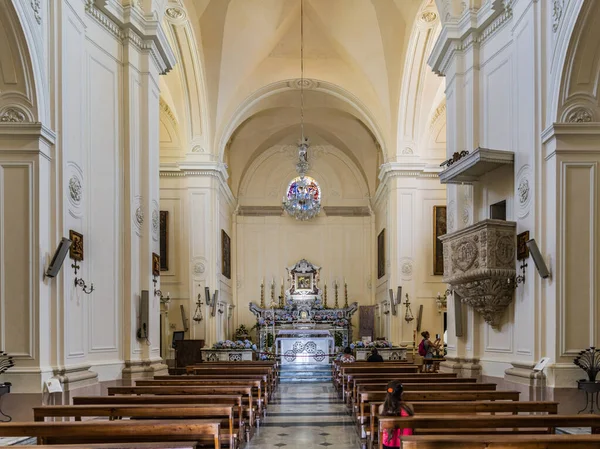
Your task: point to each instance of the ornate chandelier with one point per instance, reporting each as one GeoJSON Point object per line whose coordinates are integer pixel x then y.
{"type": "Point", "coordinates": [303, 197]}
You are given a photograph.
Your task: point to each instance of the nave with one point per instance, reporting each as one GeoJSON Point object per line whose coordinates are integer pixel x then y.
{"type": "Point", "coordinates": [306, 415]}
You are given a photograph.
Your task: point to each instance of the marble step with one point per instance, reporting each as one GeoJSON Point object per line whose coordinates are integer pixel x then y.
{"type": "Point", "coordinates": [305, 367]}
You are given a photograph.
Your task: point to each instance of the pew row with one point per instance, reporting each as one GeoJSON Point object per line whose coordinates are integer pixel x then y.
{"type": "Point", "coordinates": [502, 442]}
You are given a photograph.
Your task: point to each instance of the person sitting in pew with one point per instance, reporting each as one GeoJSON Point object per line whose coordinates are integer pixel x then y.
{"type": "Point", "coordinates": [347, 357]}
{"type": "Point", "coordinates": [375, 357]}
{"type": "Point", "coordinates": [395, 406]}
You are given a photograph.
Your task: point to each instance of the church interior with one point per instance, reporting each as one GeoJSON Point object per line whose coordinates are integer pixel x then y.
{"type": "Point", "coordinates": [300, 223]}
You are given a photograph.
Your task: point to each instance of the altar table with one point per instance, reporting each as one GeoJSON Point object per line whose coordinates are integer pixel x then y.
{"type": "Point", "coordinates": [304, 346]}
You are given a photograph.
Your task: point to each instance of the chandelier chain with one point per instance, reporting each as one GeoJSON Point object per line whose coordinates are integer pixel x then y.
{"type": "Point", "coordinates": [301, 70]}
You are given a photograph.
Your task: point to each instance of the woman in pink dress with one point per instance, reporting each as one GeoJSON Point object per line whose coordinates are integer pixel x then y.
{"type": "Point", "coordinates": [394, 406]}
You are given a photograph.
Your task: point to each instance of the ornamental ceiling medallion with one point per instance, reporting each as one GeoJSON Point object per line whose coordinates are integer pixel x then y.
{"type": "Point", "coordinates": [480, 266]}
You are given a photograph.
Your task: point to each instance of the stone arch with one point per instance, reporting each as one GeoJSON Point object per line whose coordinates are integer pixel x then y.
{"type": "Point", "coordinates": [575, 81]}
{"type": "Point", "coordinates": [251, 103]}
{"type": "Point", "coordinates": [21, 97]}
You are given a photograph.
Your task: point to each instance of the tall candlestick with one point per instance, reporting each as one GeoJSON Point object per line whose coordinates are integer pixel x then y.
{"type": "Point", "coordinates": [336, 306]}
{"type": "Point", "coordinates": [345, 294]}
{"type": "Point", "coordinates": [262, 295]}
{"type": "Point", "coordinates": [325, 295]}
{"type": "Point", "coordinates": [281, 303]}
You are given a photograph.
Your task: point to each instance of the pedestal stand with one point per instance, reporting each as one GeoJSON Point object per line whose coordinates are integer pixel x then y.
{"type": "Point", "coordinates": [591, 394]}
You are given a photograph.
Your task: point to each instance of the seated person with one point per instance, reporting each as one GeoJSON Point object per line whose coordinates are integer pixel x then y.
{"type": "Point", "coordinates": [395, 406]}
{"type": "Point", "coordinates": [347, 357]}
{"type": "Point", "coordinates": [375, 357]}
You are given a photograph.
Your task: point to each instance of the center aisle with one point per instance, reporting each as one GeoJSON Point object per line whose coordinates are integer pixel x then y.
{"type": "Point", "coordinates": [304, 416]}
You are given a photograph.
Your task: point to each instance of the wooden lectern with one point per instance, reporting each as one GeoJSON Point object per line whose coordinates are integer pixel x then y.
{"type": "Point", "coordinates": [188, 352]}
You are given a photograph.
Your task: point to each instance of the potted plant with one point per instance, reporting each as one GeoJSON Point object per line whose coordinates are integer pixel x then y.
{"type": "Point", "coordinates": [241, 333]}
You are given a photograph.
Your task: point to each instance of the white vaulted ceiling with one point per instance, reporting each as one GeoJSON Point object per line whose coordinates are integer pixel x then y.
{"type": "Point", "coordinates": [235, 91]}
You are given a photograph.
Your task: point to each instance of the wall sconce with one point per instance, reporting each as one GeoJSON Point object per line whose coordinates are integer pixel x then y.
{"type": "Point", "coordinates": [198, 313]}
{"type": "Point", "coordinates": [521, 278]}
{"type": "Point", "coordinates": [221, 308]}
{"type": "Point", "coordinates": [442, 301]}
{"type": "Point", "coordinates": [79, 282]}
{"type": "Point", "coordinates": [408, 316]}
{"type": "Point", "coordinates": [165, 300]}
{"type": "Point", "coordinates": [395, 301]}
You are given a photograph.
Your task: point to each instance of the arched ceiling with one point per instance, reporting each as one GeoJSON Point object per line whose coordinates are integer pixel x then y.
{"type": "Point", "coordinates": [243, 84]}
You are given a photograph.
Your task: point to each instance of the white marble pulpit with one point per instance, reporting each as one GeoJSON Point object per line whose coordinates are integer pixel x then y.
{"type": "Point", "coordinates": [304, 346]}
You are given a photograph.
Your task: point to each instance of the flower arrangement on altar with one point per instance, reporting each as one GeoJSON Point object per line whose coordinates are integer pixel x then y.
{"type": "Point", "coordinates": [371, 344]}
{"type": "Point", "coordinates": [238, 344]}
{"type": "Point", "coordinates": [341, 323]}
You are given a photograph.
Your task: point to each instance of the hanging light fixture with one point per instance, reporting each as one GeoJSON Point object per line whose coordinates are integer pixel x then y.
{"type": "Point", "coordinates": [303, 196]}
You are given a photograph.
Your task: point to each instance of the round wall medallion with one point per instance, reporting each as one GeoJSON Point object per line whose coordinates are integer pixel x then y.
{"type": "Point", "coordinates": [428, 16]}
{"type": "Point", "coordinates": [523, 192]}
{"type": "Point", "coordinates": [155, 221]}
{"type": "Point", "coordinates": [75, 190]}
{"type": "Point", "coordinates": [175, 13]}
{"type": "Point", "coordinates": [406, 268]}
{"type": "Point", "coordinates": [466, 215]}
{"type": "Point", "coordinates": [451, 216]}
{"type": "Point", "coordinates": [139, 216]}
{"type": "Point", "coordinates": [199, 268]}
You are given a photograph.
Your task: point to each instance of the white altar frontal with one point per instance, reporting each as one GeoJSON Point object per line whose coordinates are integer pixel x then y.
{"type": "Point", "coordinates": [304, 346]}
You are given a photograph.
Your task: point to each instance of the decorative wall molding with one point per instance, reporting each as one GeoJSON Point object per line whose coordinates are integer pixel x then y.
{"type": "Point", "coordinates": [36, 6]}
{"type": "Point", "coordinates": [557, 13]}
{"type": "Point", "coordinates": [155, 221]}
{"type": "Point", "coordinates": [451, 216]}
{"type": "Point", "coordinates": [13, 115]}
{"type": "Point", "coordinates": [138, 215]}
{"type": "Point", "coordinates": [479, 264]}
{"type": "Point", "coordinates": [406, 268]}
{"type": "Point", "coordinates": [175, 14]}
{"type": "Point", "coordinates": [524, 195]}
{"type": "Point", "coordinates": [580, 115]}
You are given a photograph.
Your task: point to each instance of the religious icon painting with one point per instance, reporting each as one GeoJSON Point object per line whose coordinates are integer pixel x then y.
{"type": "Point", "coordinates": [76, 249]}
{"type": "Point", "coordinates": [225, 255]}
{"type": "Point", "coordinates": [381, 254]}
{"type": "Point", "coordinates": [522, 248]}
{"type": "Point", "coordinates": [439, 229]}
{"type": "Point", "coordinates": [155, 264]}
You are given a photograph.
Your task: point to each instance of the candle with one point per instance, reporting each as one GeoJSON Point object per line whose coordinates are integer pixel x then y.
{"type": "Point", "coordinates": [345, 281]}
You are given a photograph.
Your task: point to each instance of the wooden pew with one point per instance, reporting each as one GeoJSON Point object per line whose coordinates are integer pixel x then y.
{"type": "Point", "coordinates": [453, 424]}
{"type": "Point", "coordinates": [184, 390]}
{"type": "Point", "coordinates": [217, 371]}
{"type": "Point", "coordinates": [501, 442]}
{"type": "Point", "coordinates": [207, 400]}
{"type": "Point", "coordinates": [513, 407]}
{"type": "Point", "coordinates": [429, 396]}
{"type": "Point", "coordinates": [389, 369]}
{"type": "Point", "coordinates": [157, 445]}
{"type": "Point", "coordinates": [154, 411]}
{"type": "Point", "coordinates": [443, 385]}
{"type": "Point", "coordinates": [349, 379]}
{"type": "Point", "coordinates": [114, 431]}
{"type": "Point", "coordinates": [257, 384]}
{"type": "Point", "coordinates": [234, 376]}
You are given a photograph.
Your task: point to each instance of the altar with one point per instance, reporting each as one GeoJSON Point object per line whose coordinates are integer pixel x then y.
{"type": "Point", "coordinates": [304, 346]}
{"type": "Point", "coordinates": [300, 327]}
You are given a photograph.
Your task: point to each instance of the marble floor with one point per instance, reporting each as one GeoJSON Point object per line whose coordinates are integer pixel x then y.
{"type": "Point", "coordinates": [304, 416]}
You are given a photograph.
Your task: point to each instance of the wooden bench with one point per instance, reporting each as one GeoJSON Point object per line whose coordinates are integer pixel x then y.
{"type": "Point", "coordinates": [389, 369]}
{"type": "Point", "coordinates": [157, 445]}
{"type": "Point", "coordinates": [257, 384]}
{"type": "Point", "coordinates": [262, 377]}
{"type": "Point", "coordinates": [437, 386]}
{"type": "Point", "coordinates": [207, 400]}
{"type": "Point", "coordinates": [114, 431]}
{"type": "Point", "coordinates": [501, 442]}
{"type": "Point", "coordinates": [155, 411]}
{"type": "Point", "coordinates": [186, 390]}
{"type": "Point", "coordinates": [512, 407]}
{"type": "Point", "coordinates": [429, 396]}
{"type": "Point", "coordinates": [453, 424]}
{"type": "Point", "coordinates": [354, 381]}
{"type": "Point", "coordinates": [219, 370]}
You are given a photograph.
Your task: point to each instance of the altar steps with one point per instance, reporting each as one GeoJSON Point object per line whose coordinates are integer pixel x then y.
{"type": "Point", "coordinates": [305, 373]}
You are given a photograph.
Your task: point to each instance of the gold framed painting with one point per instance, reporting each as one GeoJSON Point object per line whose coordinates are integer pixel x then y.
{"type": "Point", "coordinates": [155, 264]}
{"type": "Point", "coordinates": [439, 229]}
{"type": "Point", "coordinates": [76, 249]}
{"type": "Point", "coordinates": [304, 282]}
{"type": "Point", "coordinates": [522, 248]}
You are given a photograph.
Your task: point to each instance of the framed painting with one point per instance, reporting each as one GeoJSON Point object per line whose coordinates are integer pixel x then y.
{"type": "Point", "coordinates": [381, 254]}
{"type": "Point", "coordinates": [522, 248]}
{"type": "Point", "coordinates": [76, 249]}
{"type": "Point", "coordinates": [164, 240]}
{"type": "Point", "coordinates": [225, 255]}
{"type": "Point", "coordinates": [304, 282]}
{"type": "Point", "coordinates": [155, 264]}
{"type": "Point", "coordinates": [439, 229]}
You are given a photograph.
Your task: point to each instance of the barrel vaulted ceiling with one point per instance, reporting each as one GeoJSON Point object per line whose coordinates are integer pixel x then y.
{"type": "Point", "coordinates": [235, 90]}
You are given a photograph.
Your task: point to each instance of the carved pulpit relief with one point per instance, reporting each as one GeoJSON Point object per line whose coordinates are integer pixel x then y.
{"type": "Point", "coordinates": [480, 265]}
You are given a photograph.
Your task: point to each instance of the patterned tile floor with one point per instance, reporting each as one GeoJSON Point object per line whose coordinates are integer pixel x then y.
{"type": "Point", "coordinates": [304, 416]}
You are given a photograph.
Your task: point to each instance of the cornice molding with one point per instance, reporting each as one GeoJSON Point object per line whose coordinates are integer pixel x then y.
{"type": "Point", "coordinates": [475, 27]}
{"type": "Point", "coordinates": [217, 170]}
{"type": "Point", "coordinates": [391, 170]}
{"type": "Point", "coordinates": [128, 24]}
